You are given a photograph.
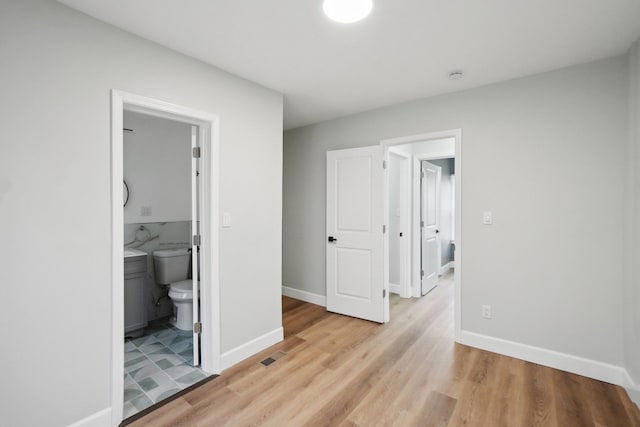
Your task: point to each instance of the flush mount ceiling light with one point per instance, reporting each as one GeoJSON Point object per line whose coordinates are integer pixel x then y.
{"type": "Point", "coordinates": [455, 75]}
{"type": "Point", "coordinates": [347, 11]}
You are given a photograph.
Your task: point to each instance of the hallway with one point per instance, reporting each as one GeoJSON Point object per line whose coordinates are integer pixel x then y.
{"type": "Point", "coordinates": [333, 370]}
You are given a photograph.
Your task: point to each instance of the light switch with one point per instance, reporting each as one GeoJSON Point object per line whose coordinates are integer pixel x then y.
{"type": "Point", "coordinates": [145, 211]}
{"type": "Point", "coordinates": [487, 218]}
{"type": "Point", "coordinates": [226, 219]}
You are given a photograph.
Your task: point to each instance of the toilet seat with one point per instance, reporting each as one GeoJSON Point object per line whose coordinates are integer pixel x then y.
{"type": "Point", "coordinates": [182, 290]}
{"type": "Point", "coordinates": [183, 285]}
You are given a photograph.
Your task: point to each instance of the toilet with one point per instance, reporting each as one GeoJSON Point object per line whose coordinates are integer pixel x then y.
{"type": "Point", "coordinates": [171, 267]}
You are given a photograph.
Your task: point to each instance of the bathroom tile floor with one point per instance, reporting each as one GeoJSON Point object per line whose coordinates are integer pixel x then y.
{"type": "Point", "coordinates": [156, 366]}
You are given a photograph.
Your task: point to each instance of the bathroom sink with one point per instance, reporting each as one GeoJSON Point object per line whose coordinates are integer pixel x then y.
{"type": "Point", "coordinates": [128, 253]}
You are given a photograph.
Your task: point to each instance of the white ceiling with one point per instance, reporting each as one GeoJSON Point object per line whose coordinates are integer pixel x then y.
{"type": "Point", "coordinates": [404, 50]}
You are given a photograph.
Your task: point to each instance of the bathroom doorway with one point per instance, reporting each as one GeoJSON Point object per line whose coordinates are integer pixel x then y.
{"type": "Point", "coordinates": [165, 294]}
{"type": "Point", "coordinates": [161, 225]}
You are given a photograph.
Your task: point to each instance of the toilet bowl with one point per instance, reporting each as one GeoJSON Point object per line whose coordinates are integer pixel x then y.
{"type": "Point", "coordinates": [181, 294]}
{"type": "Point", "coordinates": [171, 268]}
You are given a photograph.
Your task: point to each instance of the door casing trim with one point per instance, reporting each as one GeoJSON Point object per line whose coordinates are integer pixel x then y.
{"type": "Point", "coordinates": [456, 134]}
{"type": "Point", "coordinates": [208, 125]}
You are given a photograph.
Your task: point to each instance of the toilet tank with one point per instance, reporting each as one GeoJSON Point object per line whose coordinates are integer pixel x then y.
{"type": "Point", "coordinates": [171, 265]}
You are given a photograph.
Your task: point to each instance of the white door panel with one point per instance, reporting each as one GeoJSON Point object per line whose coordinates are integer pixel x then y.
{"type": "Point", "coordinates": [195, 248]}
{"type": "Point", "coordinates": [430, 217]}
{"type": "Point", "coordinates": [354, 194]}
{"type": "Point", "coordinates": [430, 197]}
{"type": "Point", "coordinates": [354, 233]}
{"type": "Point", "coordinates": [354, 273]}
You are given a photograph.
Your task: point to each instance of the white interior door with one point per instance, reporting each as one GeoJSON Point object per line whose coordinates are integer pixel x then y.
{"type": "Point", "coordinates": [429, 225]}
{"type": "Point", "coordinates": [195, 248]}
{"type": "Point", "coordinates": [355, 253]}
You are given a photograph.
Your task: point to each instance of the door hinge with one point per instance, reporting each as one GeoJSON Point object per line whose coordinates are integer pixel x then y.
{"type": "Point", "coordinates": [197, 327]}
{"type": "Point", "coordinates": [421, 174]}
{"type": "Point", "coordinates": [196, 152]}
{"type": "Point", "coordinates": [196, 240]}
{"type": "Point", "coordinates": [421, 223]}
{"type": "Point", "coordinates": [384, 164]}
{"type": "Point", "coordinates": [384, 293]}
{"type": "Point", "coordinates": [421, 273]}
{"type": "Point", "coordinates": [384, 228]}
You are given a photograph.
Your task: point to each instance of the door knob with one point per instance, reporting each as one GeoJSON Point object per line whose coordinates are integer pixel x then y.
{"type": "Point", "coordinates": [332, 239]}
{"type": "Point", "coordinates": [437, 231]}
{"type": "Point", "coordinates": [400, 234]}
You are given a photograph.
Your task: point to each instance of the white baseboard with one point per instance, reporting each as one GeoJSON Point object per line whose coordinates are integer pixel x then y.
{"type": "Point", "coordinates": [304, 296]}
{"type": "Point", "coordinates": [250, 348]}
{"type": "Point", "coordinates": [553, 359]}
{"type": "Point", "coordinates": [448, 266]}
{"type": "Point", "coordinates": [634, 394]}
{"type": "Point", "coordinates": [633, 390]}
{"type": "Point", "coordinates": [99, 419]}
{"type": "Point", "coordinates": [394, 288]}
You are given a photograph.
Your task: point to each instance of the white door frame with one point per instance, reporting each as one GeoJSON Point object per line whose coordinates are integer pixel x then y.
{"type": "Point", "coordinates": [405, 277]}
{"type": "Point", "coordinates": [456, 134]}
{"type": "Point", "coordinates": [208, 125]}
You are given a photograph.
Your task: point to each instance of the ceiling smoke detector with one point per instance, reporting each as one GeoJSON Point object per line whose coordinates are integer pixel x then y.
{"type": "Point", "coordinates": [347, 11]}
{"type": "Point", "coordinates": [455, 75]}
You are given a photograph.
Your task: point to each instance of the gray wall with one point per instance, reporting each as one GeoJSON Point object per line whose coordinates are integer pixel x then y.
{"type": "Point", "coordinates": [446, 193]}
{"type": "Point", "coordinates": [58, 67]}
{"type": "Point", "coordinates": [157, 168]}
{"type": "Point", "coordinates": [632, 291]}
{"type": "Point", "coordinates": [532, 152]}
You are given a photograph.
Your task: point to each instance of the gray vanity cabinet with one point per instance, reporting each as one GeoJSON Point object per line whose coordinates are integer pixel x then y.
{"type": "Point", "coordinates": [135, 292]}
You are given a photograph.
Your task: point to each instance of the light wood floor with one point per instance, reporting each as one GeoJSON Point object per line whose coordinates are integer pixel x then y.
{"type": "Point", "coordinates": [334, 370]}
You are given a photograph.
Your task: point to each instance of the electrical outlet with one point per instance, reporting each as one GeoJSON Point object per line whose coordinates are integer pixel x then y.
{"type": "Point", "coordinates": [486, 312]}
